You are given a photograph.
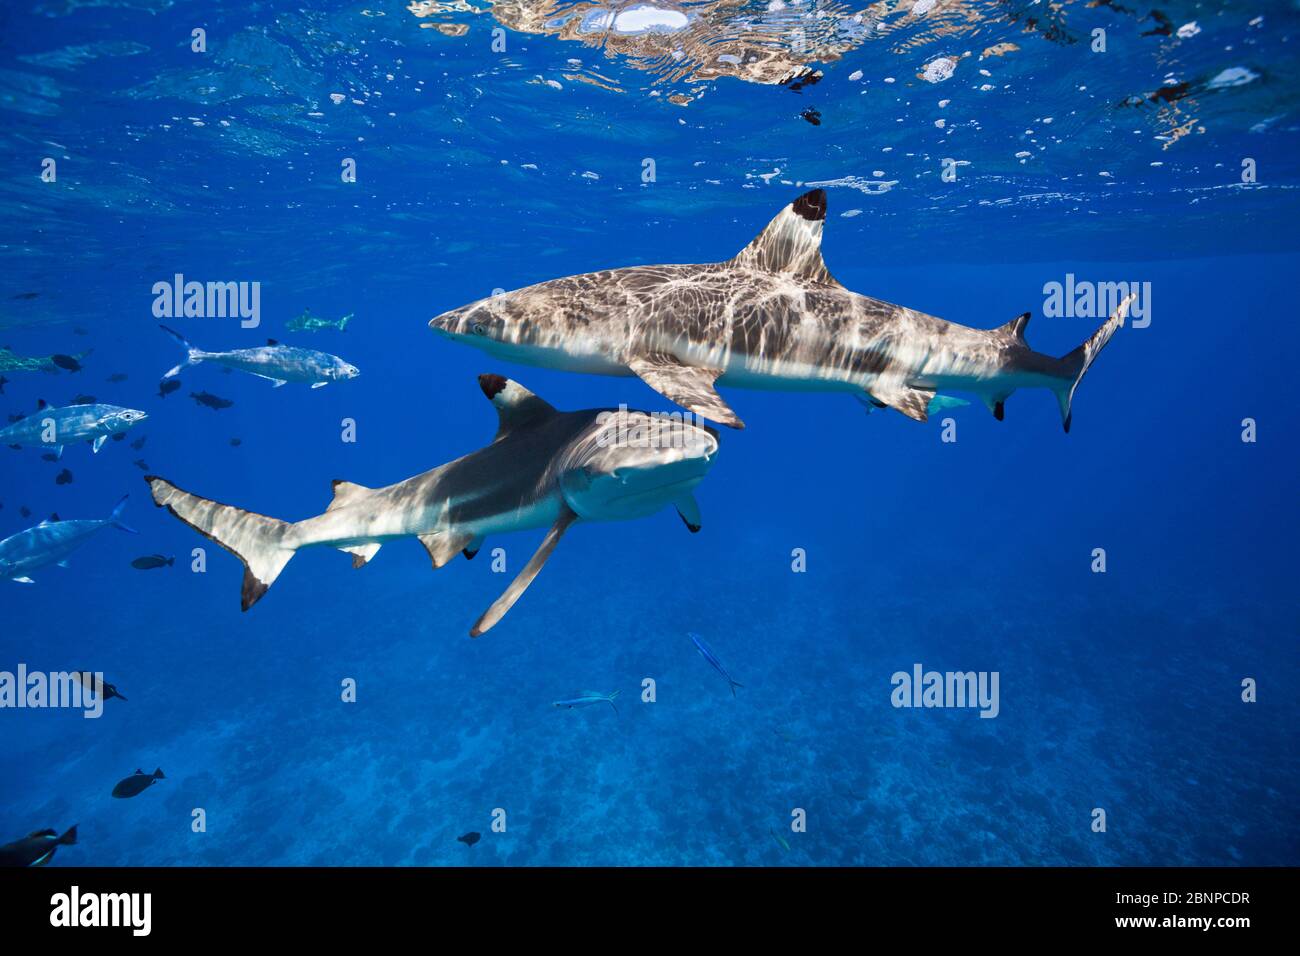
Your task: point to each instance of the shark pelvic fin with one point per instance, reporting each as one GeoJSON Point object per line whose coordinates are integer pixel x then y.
{"type": "Point", "coordinates": [444, 545]}
{"type": "Point", "coordinates": [515, 405]}
{"type": "Point", "coordinates": [689, 510]}
{"type": "Point", "coordinates": [791, 242]}
{"type": "Point", "coordinates": [345, 493]}
{"type": "Point", "coordinates": [520, 584]}
{"type": "Point", "coordinates": [912, 402]}
{"type": "Point", "coordinates": [687, 385]}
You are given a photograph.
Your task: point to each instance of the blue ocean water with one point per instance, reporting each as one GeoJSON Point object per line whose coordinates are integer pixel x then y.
{"type": "Point", "coordinates": [550, 139]}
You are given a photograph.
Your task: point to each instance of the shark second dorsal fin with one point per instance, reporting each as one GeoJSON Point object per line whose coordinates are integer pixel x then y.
{"type": "Point", "coordinates": [515, 405]}
{"type": "Point", "coordinates": [792, 242]}
{"type": "Point", "coordinates": [345, 492]}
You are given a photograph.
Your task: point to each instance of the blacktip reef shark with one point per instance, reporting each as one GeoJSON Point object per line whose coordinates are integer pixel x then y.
{"type": "Point", "coordinates": [278, 363]}
{"type": "Point", "coordinates": [50, 542]}
{"type": "Point", "coordinates": [52, 427]}
{"type": "Point", "coordinates": [545, 468]}
{"type": "Point", "coordinates": [770, 317]}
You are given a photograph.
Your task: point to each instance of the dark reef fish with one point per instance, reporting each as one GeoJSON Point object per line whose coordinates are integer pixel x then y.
{"type": "Point", "coordinates": [236, 442]}
{"type": "Point", "coordinates": [707, 653]}
{"type": "Point", "coordinates": [544, 468]}
{"type": "Point", "coordinates": [137, 783]}
{"type": "Point", "coordinates": [36, 849]}
{"type": "Point", "coordinates": [26, 295]}
{"type": "Point", "coordinates": [141, 464]}
{"type": "Point", "coordinates": [3, 382]}
{"type": "Point", "coordinates": [83, 400]}
{"type": "Point", "coordinates": [167, 387]}
{"type": "Point", "coordinates": [469, 839]}
{"type": "Point", "coordinates": [773, 317]}
{"type": "Point", "coordinates": [64, 477]}
{"type": "Point", "coordinates": [117, 377]}
{"type": "Point", "coordinates": [67, 362]}
{"type": "Point", "coordinates": [151, 561]}
{"type": "Point", "coordinates": [812, 116]}
{"type": "Point", "coordinates": [139, 442]}
{"type": "Point", "coordinates": [208, 400]}
{"type": "Point", "coordinates": [109, 691]}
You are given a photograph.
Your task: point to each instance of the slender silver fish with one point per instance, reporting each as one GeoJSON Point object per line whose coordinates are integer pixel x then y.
{"type": "Point", "coordinates": [707, 653]}
{"type": "Point", "coordinates": [586, 698]}
{"type": "Point", "coordinates": [278, 363]}
{"type": "Point", "coordinates": [50, 542]}
{"type": "Point", "coordinates": [52, 427]}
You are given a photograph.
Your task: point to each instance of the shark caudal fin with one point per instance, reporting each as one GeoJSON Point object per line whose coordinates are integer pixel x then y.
{"type": "Point", "coordinates": [192, 355]}
{"type": "Point", "coordinates": [254, 539]}
{"type": "Point", "coordinates": [1075, 365]}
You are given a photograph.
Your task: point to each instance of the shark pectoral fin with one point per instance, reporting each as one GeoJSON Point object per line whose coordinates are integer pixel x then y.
{"type": "Point", "coordinates": [689, 509]}
{"type": "Point", "coordinates": [444, 545]}
{"type": "Point", "coordinates": [687, 385]}
{"type": "Point", "coordinates": [63, 563]}
{"type": "Point", "coordinates": [277, 382]}
{"type": "Point", "coordinates": [98, 443]}
{"type": "Point", "coordinates": [24, 580]}
{"type": "Point", "coordinates": [520, 584]}
{"type": "Point", "coordinates": [912, 402]}
{"type": "Point", "coordinates": [316, 384]}
{"type": "Point", "coordinates": [362, 553]}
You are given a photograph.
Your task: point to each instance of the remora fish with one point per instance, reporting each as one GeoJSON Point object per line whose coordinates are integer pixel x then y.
{"type": "Point", "coordinates": [50, 542]}
{"type": "Point", "coordinates": [36, 849]}
{"type": "Point", "coordinates": [544, 468]}
{"type": "Point", "coordinates": [310, 323]}
{"type": "Point", "coordinates": [92, 423]}
{"type": "Point", "coordinates": [586, 698]}
{"type": "Point", "coordinates": [273, 361]}
{"type": "Point", "coordinates": [137, 783]}
{"type": "Point", "coordinates": [770, 317]}
{"type": "Point", "coordinates": [707, 653]}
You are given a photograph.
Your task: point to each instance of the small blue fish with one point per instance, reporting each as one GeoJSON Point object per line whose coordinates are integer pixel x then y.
{"type": "Point", "coordinates": [707, 653]}
{"type": "Point", "coordinates": [586, 698]}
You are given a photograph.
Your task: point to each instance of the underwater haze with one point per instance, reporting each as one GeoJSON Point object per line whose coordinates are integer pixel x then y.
{"type": "Point", "coordinates": [1131, 584]}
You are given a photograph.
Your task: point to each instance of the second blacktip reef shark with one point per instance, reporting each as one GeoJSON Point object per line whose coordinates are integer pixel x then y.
{"type": "Point", "coordinates": [770, 317]}
{"type": "Point", "coordinates": [544, 469]}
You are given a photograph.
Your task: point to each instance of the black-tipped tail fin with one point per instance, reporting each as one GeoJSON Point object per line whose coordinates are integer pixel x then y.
{"type": "Point", "coordinates": [1075, 365]}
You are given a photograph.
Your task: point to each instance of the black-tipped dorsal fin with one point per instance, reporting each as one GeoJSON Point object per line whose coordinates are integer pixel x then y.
{"type": "Point", "coordinates": [792, 242]}
{"type": "Point", "coordinates": [515, 405]}
{"type": "Point", "coordinates": [346, 492]}
{"type": "Point", "coordinates": [1016, 327]}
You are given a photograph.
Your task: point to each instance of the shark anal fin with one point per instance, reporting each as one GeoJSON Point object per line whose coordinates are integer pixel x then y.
{"type": "Point", "coordinates": [520, 584]}
{"type": "Point", "coordinates": [362, 553]}
{"type": "Point", "coordinates": [912, 402]}
{"type": "Point", "coordinates": [687, 385]}
{"type": "Point", "coordinates": [444, 545]}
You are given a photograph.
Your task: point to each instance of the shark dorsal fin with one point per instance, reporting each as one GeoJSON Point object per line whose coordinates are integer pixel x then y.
{"type": "Point", "coordinates": [345, 492]}
{"type": "Point", "coordinates": [515, 405]}
{"type": "Point", "coordinates": [792, 242]}
{"type": "Point", "coordinates": [1016, 327]}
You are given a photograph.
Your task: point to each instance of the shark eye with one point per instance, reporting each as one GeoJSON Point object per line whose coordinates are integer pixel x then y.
{"type": "Point", "coordinates": [480, 328]}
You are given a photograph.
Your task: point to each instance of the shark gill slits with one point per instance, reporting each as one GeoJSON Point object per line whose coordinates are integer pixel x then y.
{"type": "Point", "coordinates": [811, 205]}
